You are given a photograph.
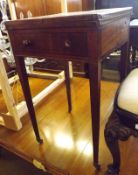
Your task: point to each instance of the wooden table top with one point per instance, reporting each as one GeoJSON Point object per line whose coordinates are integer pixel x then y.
{"type": "Point", "coordinates": [70, 18]}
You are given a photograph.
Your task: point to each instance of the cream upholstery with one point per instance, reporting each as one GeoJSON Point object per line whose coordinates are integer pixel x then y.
{"type": "Point", "coordinates": [128, 95]}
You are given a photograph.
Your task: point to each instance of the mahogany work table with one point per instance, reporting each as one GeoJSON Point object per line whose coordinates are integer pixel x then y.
{"type": "Point", "coordinates": [83, 36]}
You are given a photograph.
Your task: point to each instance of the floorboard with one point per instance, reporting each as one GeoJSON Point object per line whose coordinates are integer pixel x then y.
{"type": "Point", "coordinates": [67, 146]}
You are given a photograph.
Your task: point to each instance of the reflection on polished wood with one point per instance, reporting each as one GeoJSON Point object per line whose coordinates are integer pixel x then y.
{"type": "Point", "coordinates": [67, 137]}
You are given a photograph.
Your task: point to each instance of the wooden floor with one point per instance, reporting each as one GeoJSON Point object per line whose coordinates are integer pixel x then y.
{"type": "Point", "coordinates": [67, 143]}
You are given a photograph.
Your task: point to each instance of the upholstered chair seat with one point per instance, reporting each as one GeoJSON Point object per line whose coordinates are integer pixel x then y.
{"type": "Point", "coordinates": [128, 93]}
{"type": "Point", "coordinates": [126, 102]}
{"type": "Point", "coordinates": [123, 121]}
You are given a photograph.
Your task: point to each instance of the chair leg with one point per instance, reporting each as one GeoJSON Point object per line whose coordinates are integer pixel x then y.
{"type": "Point", "coordinates": [115, 131]}
{"type": "Point", "coordinates": [111, 138]}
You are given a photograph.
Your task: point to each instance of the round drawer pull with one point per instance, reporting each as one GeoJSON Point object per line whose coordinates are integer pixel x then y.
{"type": "Point", "coordinates": [67, 43]}
{"type": "Point", "coordinates": [26, 42]}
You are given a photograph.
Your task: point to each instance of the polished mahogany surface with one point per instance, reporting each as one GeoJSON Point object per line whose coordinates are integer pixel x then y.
{"type": "Point", "coordinates": [82, 36]}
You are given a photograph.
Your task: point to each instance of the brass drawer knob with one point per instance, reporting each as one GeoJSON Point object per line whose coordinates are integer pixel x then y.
{"type": "Point", "coordinates": [67, 43]}
{"type": "Point", "coordinates": [27, 43]}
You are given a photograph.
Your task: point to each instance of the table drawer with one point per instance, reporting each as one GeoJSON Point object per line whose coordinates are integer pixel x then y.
{"type": "Point", "coordinates": [33, 43]}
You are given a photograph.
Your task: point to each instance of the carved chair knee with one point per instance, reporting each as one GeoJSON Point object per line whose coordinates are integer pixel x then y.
{"type": "Point", "coordinates": [123, 121]}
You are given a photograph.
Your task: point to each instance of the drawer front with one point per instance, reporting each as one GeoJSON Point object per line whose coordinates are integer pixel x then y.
{"type": "Point", "coordinates": [34, 43]}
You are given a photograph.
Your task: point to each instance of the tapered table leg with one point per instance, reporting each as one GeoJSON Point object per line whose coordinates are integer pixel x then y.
{"type": "Point", "coordinates": [20, 65]}
{"type": "Point", "coordinates": [68, 89]}
{"type": "Point", "coordinates": [94, 78]}
{"type": "Point", "coordinates": [124, 61]}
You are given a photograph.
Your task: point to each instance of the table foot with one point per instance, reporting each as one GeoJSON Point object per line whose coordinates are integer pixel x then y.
{"type": "Point", "coordinates": [112, 171]}
{"type": "Point", "coordinates": [69, 110]}
{"type": "Point", "coordinates": [97, 166]}
{"type": "Point", "coordinates": [39, 140]}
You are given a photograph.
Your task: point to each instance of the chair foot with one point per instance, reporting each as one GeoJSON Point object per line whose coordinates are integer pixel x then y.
{"type": "Point", "coordinates": [115, 131]}
{"type": "Point", "coordinates": [111, 137]}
